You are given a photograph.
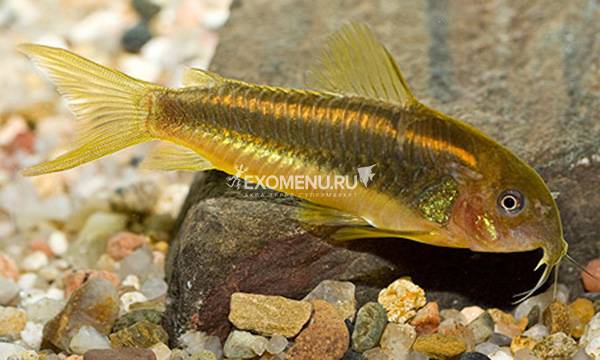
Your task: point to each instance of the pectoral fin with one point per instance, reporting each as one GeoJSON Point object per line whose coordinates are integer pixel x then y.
{"type": "Point", "coordinates": [369, 232]}
{"type": "Point", "coordinates": [314, 214]}
{"type": "Point", "coordinates": [171, 157]}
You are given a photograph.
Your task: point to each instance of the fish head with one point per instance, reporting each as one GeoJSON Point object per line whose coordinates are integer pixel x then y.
{"type": "Point", "coordinates": [509, 208]}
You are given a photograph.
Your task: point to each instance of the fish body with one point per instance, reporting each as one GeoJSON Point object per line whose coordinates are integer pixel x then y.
{"type": "Point", "coordinates": [438, 180]}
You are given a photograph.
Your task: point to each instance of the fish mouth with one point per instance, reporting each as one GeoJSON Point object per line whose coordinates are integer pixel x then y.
{"type": "Point", "coordinates": [551, 259]}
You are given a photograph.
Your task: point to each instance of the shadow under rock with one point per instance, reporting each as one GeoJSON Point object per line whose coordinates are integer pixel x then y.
{"type": "Point", "coordinates": [456, 277]}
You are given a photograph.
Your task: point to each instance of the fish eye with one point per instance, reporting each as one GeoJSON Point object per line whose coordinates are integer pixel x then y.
{"type": "Point", "coordinates": [511, 202]}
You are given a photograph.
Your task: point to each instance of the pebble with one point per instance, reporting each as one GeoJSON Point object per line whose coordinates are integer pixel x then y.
{"type": "Point", "coordinates": [73, 279]}
{"type": "Point", "coordinates": [499, 339]}
{"type": "Point", "coordinates": [557, 346]}
{"type": "Point", "coordinates": [277, 344]}
{"type": "Point", "coordinates": [427, 319]}
{"type": "Point", "coordinates": [589, 283]}
{"type": "Point", "coordinates": [195, 341]}
{"type": "Point", "coordinates": [124, 243]}
{"type": "Point", "coordinates": [58, 243]}
{"type": "Point", "coordinates": [522, 342]}
{"type": "Point", "coordinates": [120, 354]}
{"type": "Point", "coordinates": [90, 244]}
{"type": "Point", "coordinates": [44, 309]}
{"type": "Point", "coordinates": [401, 299]}
{"type": "Point", "coordinates": [339, 293]}
{"type": "Point", "coordinates": [482, 327]}
{"type": "Point", "coordinates": [8, 349]}
{"type": "Point", "coordinates": [534, 317]}
{"type": "Point", "coordinates": [593, 348]}
{"type": "Point", "coordinates": [473, 356]}
{"type": "Point", "coordinates": [95, 304]}
{"type": "Point", "coordinates": [34, 261]}
{"type": "Point", "coordinates": [487, 348]}
{"type": "Point", "coordinates": [592, 330]}
{"type": "Point", "coordinates": [139, 263]}
{"type": "Point", "coordinates": [326, 336]}
{"type": "Point", "coordinates": [136, 316]}
{"type": "Point", "coordinates": [147, 9]}
{"type": "Point", "coordinates": [370, 322]}
{"type": "Point", "coordinates": [244, 345]}
{"type": "Point", "coordinates": [32, 334]}
{"type": "Point", "coordinates": [525, 354]}
{"type": "Point", "coordinates": [452, 327]}
{"type": "Point", "coordinates": [88, 338]}
{"type": "Point", "coordinates": [505, 323]}
{"type": "Point", "coordinates": [203, 355]}
{"type": "Point", "coordinates": [142, 334]}
{"type": "Point", "coordinates": [397, 340]}
{"type": "Point", "coordinates": [129, 298]}
{"type": "Point", "coordinates": [537, 332]}
{"type": "Point", "coordinates": [556, 318]}
{"type": "Point", "coordinates": [136, 37]}
{"type": "Point", "coordinates": [440, 346]}
{"type": "Point", "coordinates": [579, 355]}
{"type": "Point", "coordinates": [161, 351]}
{"type": "Point", "coordinates": [471, 313]}
{"type": "Point", "coordinates": [582, 312]}
{"type": "Point", "coordinates": [501, 355]}
{"type": "Point", "coordinates": [154, 288]}
{"type": "Point", "coordinates": [268, 315]}
{"type": "Point", "coordinates": [8, 267]}
{"type": "Point", "coordinates": [12, 321]}
{"type": "Point", "coordinates": [8, 291]}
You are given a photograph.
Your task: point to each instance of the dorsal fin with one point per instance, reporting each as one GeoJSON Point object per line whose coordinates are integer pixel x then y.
{"type": "Point", "coordinates": [202, 78]}
{"type": "Point", "coordinates": [171, 157]}
{"type": "Point", "coordinates": [354, 62]}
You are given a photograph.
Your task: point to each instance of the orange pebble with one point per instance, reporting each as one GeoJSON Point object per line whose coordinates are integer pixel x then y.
{"type": "Point", "coordinates": [8, 267]}
{"type": "Point", "coordinates": [41, 245]}
{"type": "Point", "coordinates": [73, 279]}
{"type": "Point", "coordinates": [589, 283]}
{"type": "Point", "coordinates": [123, 244]}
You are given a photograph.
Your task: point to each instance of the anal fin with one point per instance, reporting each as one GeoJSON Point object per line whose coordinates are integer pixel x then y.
{"type": "Point", "coordinates": [171, 157]}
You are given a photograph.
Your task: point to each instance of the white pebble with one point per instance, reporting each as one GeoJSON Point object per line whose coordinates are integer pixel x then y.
{"type": "Point", "coordinates": [32, 334]}
{"type": "Point", "coordinates": [55, 293]}
{"type": "Point", "coordinates": [593, 348]}
{"type": "Point", "coordinates": [88, 338]}
{"type": "Point", "coordinates": [131, 281]}
{"type": "Point", "coordinates": [8, 349]}
{"type": "Point", "coordinates": [154, 288]}
{"type": "Point", "coordinates": [34, 261]}
{"type": "Point", "coordinates": [277, 344]}
{"type": "Point", "coordinates": [537, 332]}
{"type": "Point", "coordinates": [500, 355]}
{"type": "Point", "coordinates": [8, 291]}
{"type": "Point", "coordinates": [130, 298]}
{"type": "Point", "coordinates": [27, 280]}
{"type": "Point", "coordinates": [161, 351]}
{"type": "Point", "coordinates": [487, 348]}
{"type": "Point", "coordinates": [58, 243]}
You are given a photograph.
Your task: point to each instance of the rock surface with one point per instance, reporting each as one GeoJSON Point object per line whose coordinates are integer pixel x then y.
{"type": "Point", "coordinates": [526, 68]}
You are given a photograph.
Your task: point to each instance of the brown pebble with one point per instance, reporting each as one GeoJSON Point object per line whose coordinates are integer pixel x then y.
{"type": "Point", "coordinates": [123, 244]}
{"type": "Point", "coordinates": [556, 318]}
{"type": "Point", "coordinates": [438, 346]}
{"type": "Point", "coordinates": [325, 338]}
{"type": "Point", "coordinates": [427, 319]}
{"type": "Point", "coordinates": [120, 354]}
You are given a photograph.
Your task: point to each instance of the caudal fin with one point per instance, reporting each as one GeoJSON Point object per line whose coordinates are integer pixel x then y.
{"type": "Point", "coordinates": [111, 107]}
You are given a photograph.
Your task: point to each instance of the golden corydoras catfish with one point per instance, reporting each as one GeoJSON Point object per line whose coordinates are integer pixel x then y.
{"type": "Point", "coordinates": [438, 180]}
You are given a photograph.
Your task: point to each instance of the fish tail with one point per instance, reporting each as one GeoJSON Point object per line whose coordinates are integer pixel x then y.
{"type": "Point", "coordinates": [111, 107]}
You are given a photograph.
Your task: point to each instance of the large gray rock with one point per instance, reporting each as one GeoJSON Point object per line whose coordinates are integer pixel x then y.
{"type": "Point", "coordinates": [524, 72]}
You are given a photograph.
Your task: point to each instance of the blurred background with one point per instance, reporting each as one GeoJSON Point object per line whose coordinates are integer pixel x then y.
{"type": "Point", "coordinates": [152, 40]}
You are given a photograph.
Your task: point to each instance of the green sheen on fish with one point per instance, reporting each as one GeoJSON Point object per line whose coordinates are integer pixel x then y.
{"type": "Point", "coordinates": [418, 174]}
